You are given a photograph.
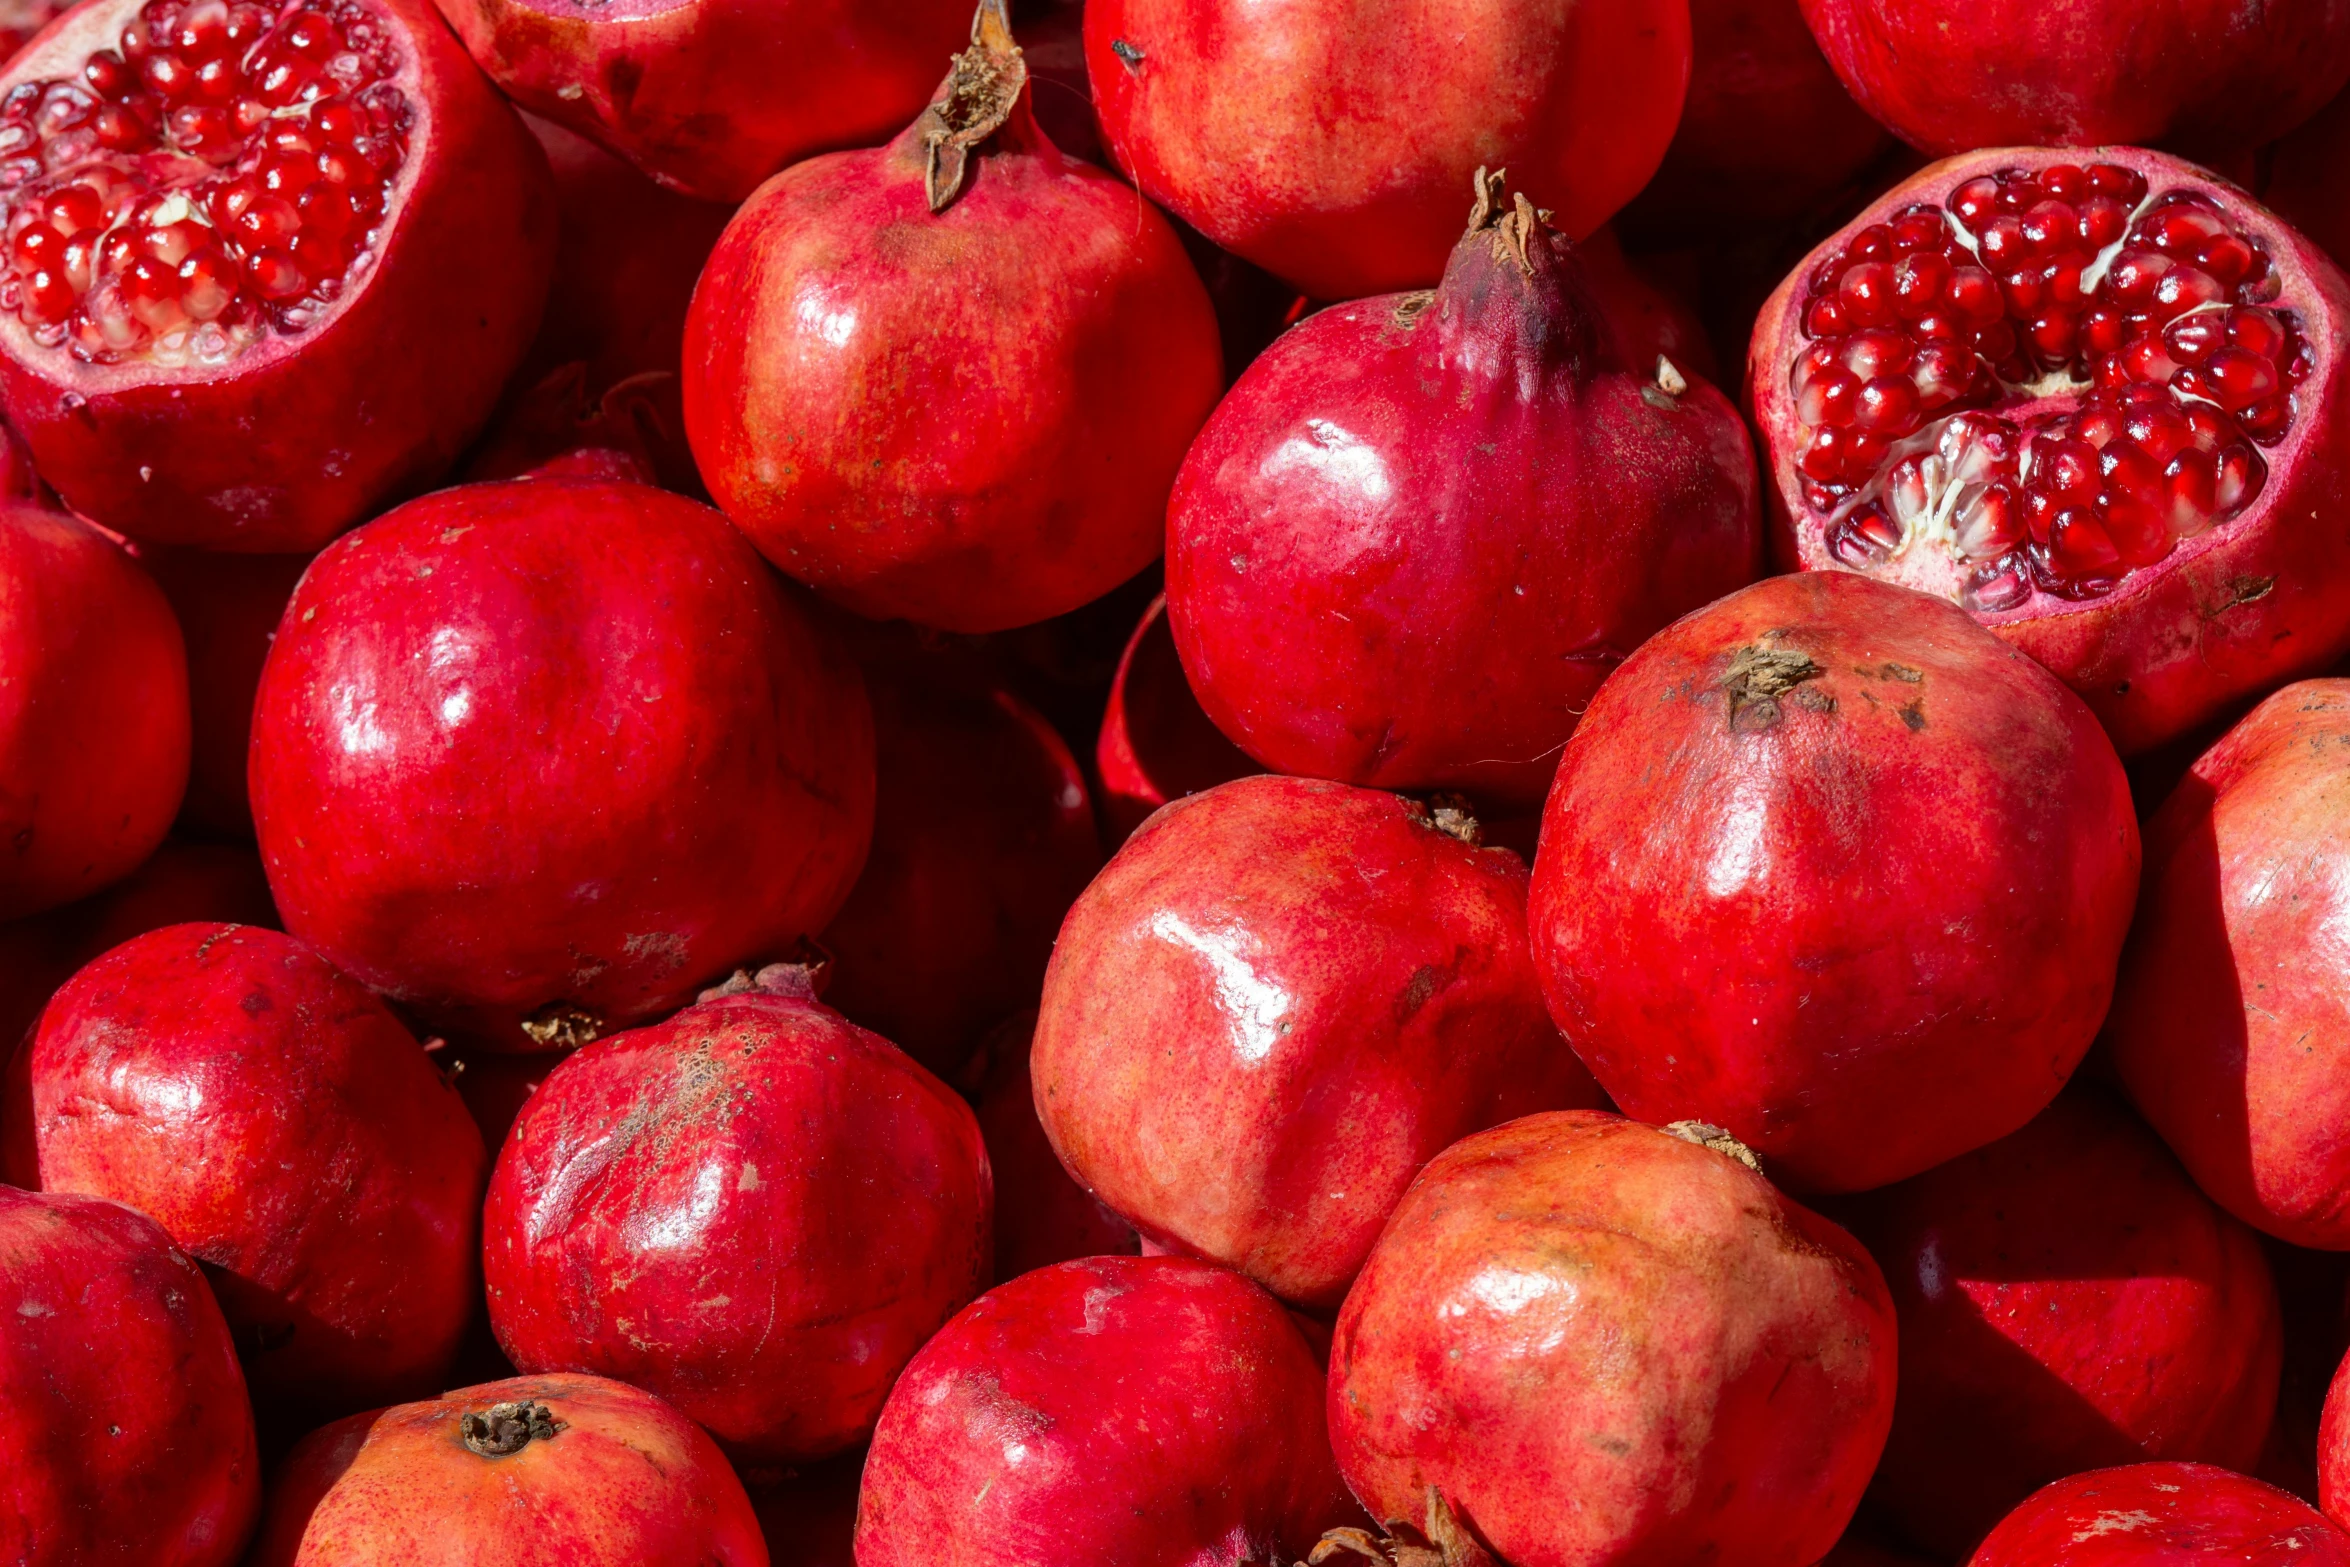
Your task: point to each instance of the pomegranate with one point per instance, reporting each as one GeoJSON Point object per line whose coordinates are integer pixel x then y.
{"type": "Point", "coordinates": [1279, 1000]}
{"type": "Point", "coordinates": [757, 1210]}
{"type": "Point", "coordinates": [2333, 1448]}
{"type": "Point", "coordinates": [1422, 529]}
{"type": "Point", "coordinates": [288, 1133]}
{"type": "Point", "coordinates": [1885, 865]}
{"type": "Point", "coordinates": [534, 791]}
{"type": "Point", "coordinates": [2236, 964]}
{"type": "Point", "coordinates": [124, 1432]}
{"type": "Point", "coordinates": [528, 1472]}
{"type": "Point", "coordinates": [974, 424]}
{"type": "Point", "coordinates": [228, 608]}
{"type": "Point", "coordinates": [267, 265]}
{"type": "Point", "coordinates": [1042, 1216]}
{"type": "Point", "coordinates": [93, 711]}
{"type": "Point", "coordinates": [1156, 744]}
{"type": "Point", "coordinates": [634, 433]}
{"type": "Point", "coordinates": [2093, 398]}
{"type": "Point", "coordinates": [2068, 1300]}
{"type": "Point", "coordinates": [1148, 1411]}
{"type": "Point", "coordinates": [2161, 1515]}
{"type": "Point", "coordinates": [1331, 150]}
{"type": "Point", "coordinates": [1591, 1341]}
{"type": "Point", "coordinates": [1649, 316]}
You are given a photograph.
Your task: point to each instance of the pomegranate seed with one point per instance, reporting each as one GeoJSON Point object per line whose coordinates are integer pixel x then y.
{"type": "Point", "coordinates": [2238, 478]}
{"type": "Point", "coordinates": [1991, 523]}
{"type": "Point", "coordinates": [2226, 258]}
{"type": "Point", "coordinates": [2183, 288]}
{"type": "Point", "coordinates": [1829, 398]}
{"type": "Point", "coordinates": [1825, 318]}
{"type": "Point", "coordinates": [2257, 331]}
{"type": "Point", "coordinates": [2023, 292]}
{"type": "Point", "coordinates": [1865, 537]}
{"type": "Point", "coordinates": [208, 284]}
{"type": "Point", "coordinates": [1918, 283]}
{"type": "Point", "coordinates": [274, 276]}
{"type": "Point", "coordinates": [1941, 372]}
{"type": "Point", "coordinates": [1874, 243]}
{"type": "Point", "coordinates": [1866, 293]}
{"type": "Point", "coordinates": [2051, 337]}
{"type": "Point", "coordinates": [2191, 338]}
{"type": "Point", "coordinates": [2148, 359]}
{"type": "Point", "coordinates": [2111, 179]}
{"type": "Point", "coordinates": [2235, 379]}
{"type": "Point", "coordinates": [2078, 545]}
{"type": "Point", "coordinates": [2048, 225]}
{"type": "Point", "coordinates": [1974, 294]}
{"type": "Point", "coordinates": [2103, 222]}
{"type": "Point", "coordinates": [2003, 243]}
{"type": "Point", "coordinates": [108, 76]}
{"type": "Point", "coordinates": [1875, 353]}
{"type": "Point", "coordinates": [1920, 230]}
{"type": "Point", "coordinates": [1975, 201]}
{"type": "Point", "coordinates": [2189, 493]}
{"type": "Point", "coordinates": [2001, 585]}
{"type": "Point", "coordinates": [2267, 420]}
{"type": "Point", "coordinates": [2065, 181]}
{"type": "Point", "coordinates": [1887, 405]}
{"type": "Point", "coordinates": [48, 296]}
{"type": "Point", "coordinates": [2134, 277]}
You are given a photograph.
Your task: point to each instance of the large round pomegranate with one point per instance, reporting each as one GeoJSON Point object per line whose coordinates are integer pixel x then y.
{"type": "Point", "coordinates": [949, 380]}
{"type": "Point", "coordinates": [2068, 1300]}
{"type": "Point", "coordinates": [2163, 1515]}
{"type": "Point", "coordinates": [1042, 1215]}
{"type": "Point", "coordinates": [539, 759]}
{"type": "Point", "coordinates": [757, 1210]}
{"type": "Point", "coordinates": [1331, 146]}
{"type": "Point", "coordinates": [1279, 1000]}
{"type": "Point", "coordinates": [93, 711]}
{"type": "Point", "coordinates": [268, 264]}
{"type": "Point", "coordinates": [228, 608]}
{"type": "Point", "coordinates": [530, 1472]}
{"type": "Point", "coordinates": [1422, 528]}
{"type": "Point", "coordinates": [1577, 1306]}
{"type": "Point", "coordinates": [1148, 1411]}
{"type": "Point", "coordinates": [2094, 398]}
{"type": "Point", "coordinates": [2240, 960]}
{"type": "Point", "coordinates": [1155, 743]}
{"type": "Point", "coordinates": [1880, 868]}
{"type": "Point", "coordinates": [275, 1118]}
{"type": "Point", "coordinates": [124, 1432]}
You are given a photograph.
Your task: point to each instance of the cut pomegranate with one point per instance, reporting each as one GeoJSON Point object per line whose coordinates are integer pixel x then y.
{"type": "Point", "coordinates": [2094, 399]}
{"type": "Point", "coordinates": [2163, 1515]}
{"type": "Point", "coordinates": [266, 265]}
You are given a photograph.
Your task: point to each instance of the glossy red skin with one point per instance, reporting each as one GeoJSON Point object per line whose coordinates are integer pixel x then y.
{"type": "Point", "coordinates": [2236, 963]}
{"type": "Point", "coordinates": [757, 1210]}
{"type": "Point", "coordinates": [983, 835]}
{"type": "Point", "coordinates": [2068, 1300]}
{"type": "Point", "coordinates": [1409, 545]}
{"type": "Point", "coordinates": [1156, 744]}
{"type": "Point", "coordinates": [1332, 150]}
{"type": "Point", "coordinates": [1605, 1345]}
{"type": "Point", "coordinates": [627, 1480]}
{"type": "Point", "coordinates": [2232, 612]}
{"type": "Point", "coordinates": [2163, 1515]}
{"type": "Point", "coordinates": [2333, 1449]}
{"type": "Point", "coordinates": [495, 770]}
{"type": "Point", "coordinates": [1866, 926]}
{"type": "Point", "coordinates": [228, 607]}
{"type": "Point", "coordinates": [1042, 1216]}
{"type": "Point", "coordinates": [304, 435]}
{"type": "Point", "coordinates": [124, 1432]}
{"type": "Point", "coordinates": [1149, 1411]}
{"type": "Point", "coordinates": [276, 1119]}
{"type": "Point", "coordinates": [1278, 1001]}
{"type": "Point", "coordinates": [990, 440]}
{"type": "Point", "coordinates": [93, 711]}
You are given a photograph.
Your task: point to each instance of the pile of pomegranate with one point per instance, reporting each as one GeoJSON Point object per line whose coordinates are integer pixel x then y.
{"type": "Point", "coordinates": [1074, 783]}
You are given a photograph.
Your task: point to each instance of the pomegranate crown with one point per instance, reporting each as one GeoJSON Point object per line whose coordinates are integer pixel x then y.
{"type": "Point", "coordinates": [979, 96]}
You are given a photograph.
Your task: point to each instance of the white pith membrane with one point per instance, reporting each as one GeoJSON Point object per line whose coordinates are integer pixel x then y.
{"type": "Point", "coordinates": [221, 173]}
{"type": "Point", "coordinates": [2042, 387]}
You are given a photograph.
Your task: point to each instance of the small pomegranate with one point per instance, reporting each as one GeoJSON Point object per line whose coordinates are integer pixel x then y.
{"type": "Point", "coordinates": [757, 1210]}
{"type": "Point", "coordinates": [2094, 399]}
{"type": "Point", "coordinates": [1042, 1215]}
{"type": "Point", "coordinates": [267, 264]}
{"type": "Point", "coordinates": [529, 1472]}
{"type": "Point", "coordinates": [1148, 1411]}
{"type": "Point", "coordinates": [1422, 529]}
{"type": "Point", "coordinates": [2163, 1515]}
{"type": "Point", "coordinates": [1279, 1000]}
{"type": "Point", "coordinates": [1590, 1341]}
{"type": "Point", "coordinates": [949, 380]}
{"type": "Point", "coordinates": [2235, 966]}
{"type": "Point", "coordinates": [1885, 864]}
{"type": "Point", "coordinates": [533, 790]}
{"type": "Point", "coordinates": [124, 1432]}
{"type": "Point", "coordinates": [275, 1118]}
{"type": "Point", "coordinates": [1332, 151]}
{"type": "Point", "coordinates": [2068, 1300]}
{"type": "Point", "coordinates": [1156, 744]}
{"type": "Point", "coordinates": [93, 711]}
{"type": "Point", "coordinates": [228, 608]}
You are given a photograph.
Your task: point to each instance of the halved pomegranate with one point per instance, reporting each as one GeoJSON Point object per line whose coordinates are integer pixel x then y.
{"type": "Point", "coordinates": [2096, 399]}
{"type": "Point", "coordinates": [267, 262]}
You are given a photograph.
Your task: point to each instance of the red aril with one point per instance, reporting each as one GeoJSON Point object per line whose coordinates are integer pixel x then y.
{"type": "Point", "coordinates": [539, 759]}
{"type": "Point", "coordinates": [1156, 744]}
{"type": "Point", "coordinates": [228, 608]}
{"type": "Point", "coordinates": [2093, 398]}
{"type": "Point", "coordinates": [267, 264]}
{"type": "Point", "coordinates": [1042, 1215]}
{"type": "Point", "coordinates": [1883, 867]}
{"type": "Point", "coordinates": [2163, 1515]}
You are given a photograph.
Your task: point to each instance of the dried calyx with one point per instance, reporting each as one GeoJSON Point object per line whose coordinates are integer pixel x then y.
{"type": "Point", "coordinates": [981, 92]}
{"type": "Point", "coordinates": [1439, 1541]}
{"type": "Point", "coordinates": [1511, 226]}
{"type": "Point", "coordinates": [505, 1429]}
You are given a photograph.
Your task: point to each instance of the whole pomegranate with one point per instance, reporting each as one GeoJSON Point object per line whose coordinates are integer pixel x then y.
{"type": "Point", "coordinates": [1829, 865]}
{"type": "Point", "coordinates": [1042, 1215]}
{"type": "Point", "coordinates": [228, 608]}
{"type": "Point", "coordinates": [2237, 964]}
{"type": "Point", "coordinates": [2094, 399]}
{"type": "Point", "coordinates": [1422, 528]}
{"type": "Point", "coordinates": [1331, 148]}
{"type": "Point", "coordinates": [93, 711]}
{"type": "Point", "coordinates": [1594, 1342]}
{"type": "Point", "coordinates": [1156, 744]}
{"type": "Point", "coordinates": [973, 423]}
{"type": "Point", "coordinates": [2163, 1515]}
{"type": "Point", "coordinates": [267, 265]}
{"type": "Point", "coordinates": [124, 1432]}
{"type": "Point", "coordinates": [2068, 1300]}
{"type": "Point", "coordinates": [275, 1118]}
{"type": "Point", "coordinates": [757, 1210]}
{"type": "Point", "coordinates": [1279, 1000]}
{"type": "Point", "coordinates": [1148, 1411]}
{"type": "Point", "coordinates": [549, 1471]}
{"type": "Point", "coordinates": [534, 789]}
